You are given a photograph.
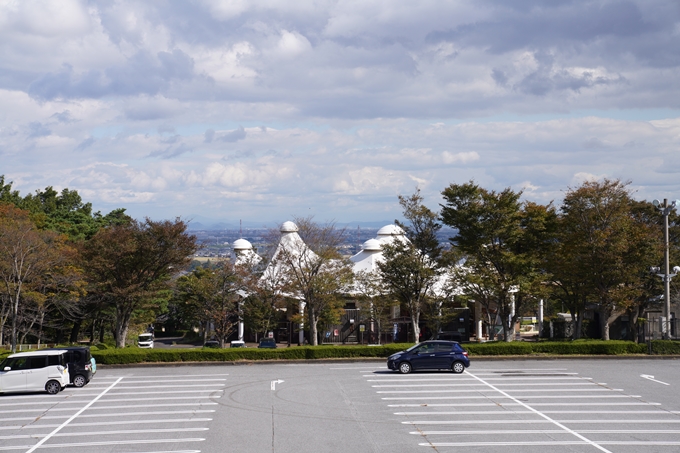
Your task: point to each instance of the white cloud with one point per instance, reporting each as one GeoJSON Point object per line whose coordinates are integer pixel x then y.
{"type": "Point", "coordinates": [259, 107]}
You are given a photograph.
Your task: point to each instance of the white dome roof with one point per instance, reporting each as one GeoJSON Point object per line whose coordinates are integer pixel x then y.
{"type": "Point", "coordinates": [390, 230]}
{"type": "Point", "coordinates": [242, 244]}
{"type": "Point", "coordinates": [371, 245]}
{"type": "Point", "coordinates": [289, 227]}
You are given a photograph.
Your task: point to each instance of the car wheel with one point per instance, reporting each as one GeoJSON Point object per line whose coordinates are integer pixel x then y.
{"type": "Point", "coordinates": [457, 367]}
{"type": "Point", "coordinates": [79, 380]}
{"type": "Point", "coordinates": [53, 387]}
{"type": "Point", "coordinates": [404, 368]}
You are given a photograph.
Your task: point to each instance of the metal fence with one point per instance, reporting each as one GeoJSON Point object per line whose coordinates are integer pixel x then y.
{"type": "Point", "coordinates": [656, 328]}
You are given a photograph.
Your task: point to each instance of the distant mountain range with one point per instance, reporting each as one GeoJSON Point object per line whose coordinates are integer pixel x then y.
{"type": "Point", "coordinates": [198, 222]}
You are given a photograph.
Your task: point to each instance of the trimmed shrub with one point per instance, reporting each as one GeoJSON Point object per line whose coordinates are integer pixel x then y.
{"type": "Point", "coordinates": [665, 347]}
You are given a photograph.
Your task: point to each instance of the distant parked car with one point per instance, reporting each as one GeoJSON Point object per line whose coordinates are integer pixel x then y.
{"type": "Point", "coordinates": [269, 343]}
{"type": "Point", "coordinates": [81, 365]}
{"type": "Point", "coordinates": [237, 344]}
{"type": "Point", "coordinates": [211, 344]}
{"type": "Point", "coordinates": [34, 371]}
{"type": "Point", "coordinates": [430, 355]}
{"type": "Point", "coordinates": [145, 340]}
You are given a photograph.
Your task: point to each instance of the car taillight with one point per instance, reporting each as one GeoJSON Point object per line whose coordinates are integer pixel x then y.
{"type": "Point", "coordinates": [88, 366]}
{"type": "Point", "coordinates": [465, 353]}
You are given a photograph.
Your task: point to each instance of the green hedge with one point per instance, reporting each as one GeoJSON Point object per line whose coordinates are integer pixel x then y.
{"type": "Point", "coordinates": [136, 355]}
{"type": "Point", "coordinates": [518, 348]}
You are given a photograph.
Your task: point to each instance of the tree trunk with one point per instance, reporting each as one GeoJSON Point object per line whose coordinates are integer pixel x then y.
{"type": "Point", "coordinates": [75, 332]}
{"type": "Point", "coordinates": [122, 325]}
{"type": "Point", "coordinates": [415, 320]}
{"type": "Point", "coordinates": [313, 337]}
{"type": "Point", "coordinates": [604, 324]}
{"type": "Point", "coordinates": [40, 329]}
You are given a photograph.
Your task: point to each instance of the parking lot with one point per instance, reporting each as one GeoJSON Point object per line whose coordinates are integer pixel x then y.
{"type": "Point", "coordinates": [522, 405]}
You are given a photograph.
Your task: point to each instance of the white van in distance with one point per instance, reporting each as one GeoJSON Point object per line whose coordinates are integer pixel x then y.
{"type": "Point", "coordinates": [34, 371]}
{"type": "Point", "coordinates": [145, 340]}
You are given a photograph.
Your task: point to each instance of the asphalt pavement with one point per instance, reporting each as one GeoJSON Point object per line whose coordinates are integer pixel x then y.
{"type": "Point", "coordinates": [585, 405]}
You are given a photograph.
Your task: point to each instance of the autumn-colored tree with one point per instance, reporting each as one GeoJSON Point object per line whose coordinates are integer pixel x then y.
{"type": "Point", "coordinates": [130, 264]}
{"type": "Point", "coordinates": [28, 257]}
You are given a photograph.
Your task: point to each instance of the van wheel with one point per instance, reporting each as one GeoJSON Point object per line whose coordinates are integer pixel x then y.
{"type": "Point", "coordinates": [404, 368]}
{"type": "Point", "coordinates": [457, 367]}
{"type": "Point", "coordinates": [53, 387]}
{"type": "Point", "coordinates": [79, 380]}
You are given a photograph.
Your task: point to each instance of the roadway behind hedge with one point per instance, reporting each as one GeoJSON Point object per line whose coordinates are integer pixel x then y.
{"type": "Point", "coordinates": [134, 355]}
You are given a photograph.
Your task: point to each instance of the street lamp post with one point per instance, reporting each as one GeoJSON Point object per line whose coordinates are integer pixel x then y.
{"type": "Point", "coordinates": [665, 209]}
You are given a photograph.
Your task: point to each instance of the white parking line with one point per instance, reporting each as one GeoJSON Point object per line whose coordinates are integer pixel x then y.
{"type": "Point", "coordinates": [456, 379]}
{"type": "Point", "coordinates": [516, 404]}
{"type": "Point", "coordinates": [168, 386]}
{"type": "Point", "coordinates": [530, 384]}
{"type": "Point", "coordinates": [547, 431]}
{"type": "Point", "coordinates": [156, 376]}
{"type": "Point", "coordinates": [106, 433]}
{"type": "Point", "coordinates": [97, 407]}
{"type": "Point", "coordinates": [550, 444]}
{"type": "Point", "coordinates": [519, 390]}
{"type": "Point", "coordinates": [508, 412]}
{"type": "Point", "coordinates": [540, 414]}
{"type": "Point", "coordinates": [126, 422]}
{"type": "Point", "coordinates": [589, 397]}
{"type": "Point", "coordinates": [94, 444]}
{"type": "Point", "coordinates": [72, 417]}
{"type": "Point", "coordinates": [523, 422]}
{"type": "Point", "coordinates": [126, 414]}
{"type": "Point", "coordinates": [157, 381]}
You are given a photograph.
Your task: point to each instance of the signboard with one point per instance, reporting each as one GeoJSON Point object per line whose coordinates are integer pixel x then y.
{"type": "Point", "coordinates": [362, 328]}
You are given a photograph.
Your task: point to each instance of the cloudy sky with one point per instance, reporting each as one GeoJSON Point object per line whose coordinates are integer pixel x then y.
{"type": "Point", "coordinates": [260, 111]}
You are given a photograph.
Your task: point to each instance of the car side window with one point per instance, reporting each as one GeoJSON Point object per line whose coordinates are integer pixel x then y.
{"type": "Point", "coordinates": [18, 363]}
{"type": "Point", "coordinates": [37, 362]}
{"type": "Point", "coordinates": [443, 347]}
{"type": "Point", "coordinates": [75, 357]}
{"type": "Point", "coordinates": [458, 348]}
{"type": "Point", "coordinates": [54, 360]}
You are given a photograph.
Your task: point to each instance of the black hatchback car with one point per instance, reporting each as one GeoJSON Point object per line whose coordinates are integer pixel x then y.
{"type": "Point", "coordinates": [81, 364]}
{"type": "Point", "coordinates": [268, 343]}
{"type": "Point", "coordinates": [430, 355]}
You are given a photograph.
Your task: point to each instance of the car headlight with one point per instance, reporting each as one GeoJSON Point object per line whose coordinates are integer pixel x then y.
{"type": "Point", "coordinates": [394, 357]}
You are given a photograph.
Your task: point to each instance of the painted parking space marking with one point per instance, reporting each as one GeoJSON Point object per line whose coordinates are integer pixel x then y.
{"type": "Point", "coordinates": [113, 442]}
{"type": "Point", "coordinates": [73, 416]}
{"type": "Point", "coordinates": [564, 410]}
{"type": "Point", "coordinates": [106, 433]}
{"type": "Point", "coordinates": [126, 410]}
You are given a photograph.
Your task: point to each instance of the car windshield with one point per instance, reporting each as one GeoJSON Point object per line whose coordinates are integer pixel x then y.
{"type": "Point", "coordinates": [144, 338]}
{"type": "Point", "coordinates": [3, 364]}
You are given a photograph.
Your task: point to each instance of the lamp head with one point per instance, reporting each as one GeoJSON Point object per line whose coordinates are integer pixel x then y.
{"type": "Point", "coordinates": [656, 203]}
{"type": "Point", "coordinates": [654, 269]}
{"type": "Point", "coordinates": [676, 269]}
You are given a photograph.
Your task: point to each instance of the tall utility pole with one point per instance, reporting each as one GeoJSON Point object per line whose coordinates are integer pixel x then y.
{"type": "Point", "coordinates": [666, 208]}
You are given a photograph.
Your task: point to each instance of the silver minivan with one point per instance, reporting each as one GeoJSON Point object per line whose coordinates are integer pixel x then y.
{"type": "Point", "coordinates": [34, 371]}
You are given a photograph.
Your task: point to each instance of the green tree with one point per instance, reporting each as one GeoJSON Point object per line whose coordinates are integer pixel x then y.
{"type": "Point", "coordinates": [606, 246]}
{"type": "Point", "coordinates": [503, 240]}
{"type": "Point", "coordinates": [129, 266]}
{"type": "Point", "coordinates": [215, 294]}
{"type": "Point", "coordinates": [315, 272]}
{"type": "Point", "coordinates": [412, 268]}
